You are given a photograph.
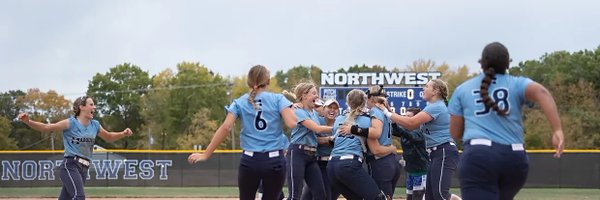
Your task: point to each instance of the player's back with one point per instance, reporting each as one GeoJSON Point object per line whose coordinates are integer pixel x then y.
{"type": "Point", "coordinates": [261, 127]}
{"type": "Point", "coordinates": [484, 123]}
{"type": "Point", "coordinates": [349, 144]}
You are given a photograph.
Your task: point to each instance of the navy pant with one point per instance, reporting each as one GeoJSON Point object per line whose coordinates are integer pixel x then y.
{"type": "Point", "coordinates": [351, 179]}
{"type": "Point", "coordinates": [385, 172]}
{"type": "Point", "coordinates": [492, 172]}
{"type": "Point", "coordinates": [73, 175]}
{"type": "Point", "coordinates": [261, 190]}
{"type": "Point", "coordinates": [444, 161]}
{"type": "Point", "coordinates": [331, 192]}
{"type": "Point", "coordinates": [261, 167]}
{"type": "Point", "coordinates": [302, 166]}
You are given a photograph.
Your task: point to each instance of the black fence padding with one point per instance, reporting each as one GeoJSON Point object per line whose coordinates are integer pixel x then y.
{"type": "Point", "coordinates": [573, 170]}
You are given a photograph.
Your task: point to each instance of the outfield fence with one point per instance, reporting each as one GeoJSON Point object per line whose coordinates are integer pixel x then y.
{"type": "Point", "coordinates": [575, 169]}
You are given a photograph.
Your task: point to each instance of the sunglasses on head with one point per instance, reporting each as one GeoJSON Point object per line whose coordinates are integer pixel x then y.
{"type": "Point", "coordinates": [378, 93]}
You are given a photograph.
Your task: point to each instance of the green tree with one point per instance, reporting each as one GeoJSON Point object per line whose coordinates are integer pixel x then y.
{"type": "Point", "coordinates": [201, 131]}
{"type": "Point", "coordinates": [117, 94]}
{"type": "Point", "coordinates": [6, 142]}
{"type": "Point", "coordinates": [296, 75]}
{"type": "Point", "coordinates": [572, 78]}
{"type": "Point", "coordinates": [194, 87]}
{"type": "Point", "coordinates": [365, 68]}
{"type": "Point", "coordinates": [8, 103]}
{"type": "Point", "coordinates": [42, 107]}
{"type": "Point", "coordinates": [155, 112]}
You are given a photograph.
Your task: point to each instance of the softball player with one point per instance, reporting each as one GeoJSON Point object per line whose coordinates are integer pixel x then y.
{"type": "Point", "coordinates": [486, 115]}
{"type": "Point", "coordinates": [443, 153]}
{"type": "Point", "coordinates": [79, 135]}
{"type": "Point", "coordinates": [261, 114]}
{"type": "Point", "coordinates": [415, 156]}
{"type": "Point", "coordinates": [345, 167]}
{"type": "Point", "coordinates": [383, 165]}
{"type": "Point", "coordinates": [301, 156]}
{"type": "Point", "coordinates": [325, 144]}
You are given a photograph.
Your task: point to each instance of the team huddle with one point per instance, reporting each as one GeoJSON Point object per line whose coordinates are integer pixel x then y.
{"type": "Point", "coordinates": [352, 154]}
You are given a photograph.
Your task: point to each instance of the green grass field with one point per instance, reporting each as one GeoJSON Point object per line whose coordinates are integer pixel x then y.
{"type": "Point", "coordinates": [165, 192]}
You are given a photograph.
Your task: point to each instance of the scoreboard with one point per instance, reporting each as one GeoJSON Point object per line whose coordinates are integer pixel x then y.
{"type": "Point", "coordinates": [399, 98]}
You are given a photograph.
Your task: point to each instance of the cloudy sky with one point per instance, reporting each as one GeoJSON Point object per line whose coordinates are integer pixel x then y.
{"type": "Point", "coordinates": [61, 44]}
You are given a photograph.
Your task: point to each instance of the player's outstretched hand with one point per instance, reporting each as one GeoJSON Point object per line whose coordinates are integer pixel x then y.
{"type": "Point", "coordinates": [127, 132]}
{"type": "Point", "coordinates": [195, 157]}
{"type": "Point", "coordinates": [558, 141]}
{"type": "Point", "coordinates": [24, 117]}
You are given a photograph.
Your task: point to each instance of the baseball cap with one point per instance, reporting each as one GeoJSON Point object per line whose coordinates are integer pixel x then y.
{"type": "Point", "coordinates": [330, 101]}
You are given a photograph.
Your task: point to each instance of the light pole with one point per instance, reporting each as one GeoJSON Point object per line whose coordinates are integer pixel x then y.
{"type": "Point", "coordinates": [163, 134]}
{"type": "Point", "coordinates": [51, 135]}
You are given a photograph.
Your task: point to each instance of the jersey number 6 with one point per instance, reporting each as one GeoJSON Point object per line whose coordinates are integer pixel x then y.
{"type": "Point", "coordinates": [260, 123]}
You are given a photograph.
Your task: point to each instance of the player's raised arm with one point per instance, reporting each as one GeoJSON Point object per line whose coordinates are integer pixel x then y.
{"type": "Point", "coordinates": [42, 127]}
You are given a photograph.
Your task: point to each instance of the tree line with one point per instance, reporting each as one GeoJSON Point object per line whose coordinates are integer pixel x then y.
{"type": "Point", "coordinates": [177, 109]}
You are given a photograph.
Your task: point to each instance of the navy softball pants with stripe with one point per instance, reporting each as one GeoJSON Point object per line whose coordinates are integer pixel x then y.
{"type": "Point", "coordinates": [444, 161]}
{"type": "Point", "coordinates": [302, 166]}
{"type": "Point", "coordinates": [331, 192]}
{"type": "Point", "coordinates": [492, 172]}
{"type": "Point", "coordinates": [73, 176]}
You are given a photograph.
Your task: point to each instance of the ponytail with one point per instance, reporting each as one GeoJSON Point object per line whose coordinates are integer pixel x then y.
{"type": "Point", "coordinates": [251, 98]}
{"type": "Point", "coordinates": [490, 74]}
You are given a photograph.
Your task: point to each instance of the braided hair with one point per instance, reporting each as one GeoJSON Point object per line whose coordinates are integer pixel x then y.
{"type": "Point", "coordinates": [356, 100]}
{"type": "Point", "coordinates": [494, 60]}
{"type": "Point", "coordinates": [442, 89]}
{"type": "Point", "coordinates": [258, 77]}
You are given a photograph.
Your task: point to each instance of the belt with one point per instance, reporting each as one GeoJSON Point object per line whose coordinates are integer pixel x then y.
{"type": "Point", "coordinates": [348, 157]}
{"type": "Point", "coordinates": [272, 154]}
{"type": "Point", "coordinates": [486, 142]}
{"type": "Point", "coordinates": [307, 148]}
{"type": "Point", "coordinates": [85, 162]}
{"type": "Point", "coordinates": [430, 149]}
{"type": "Point", "coordinates": [323, 158]}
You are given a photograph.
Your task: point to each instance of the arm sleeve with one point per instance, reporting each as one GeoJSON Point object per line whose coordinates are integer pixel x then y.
{"type": "Point", "coordinates": [301, 115]}
{"type": "Point", "coordinates": [433, 110]}
{"type": "Point", "coordinates": [283, 102]}
{"type": "Point", "coordinates": [234, 108]}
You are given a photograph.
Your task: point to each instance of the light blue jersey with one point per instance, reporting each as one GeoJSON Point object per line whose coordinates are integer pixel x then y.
{"type": "Point", "coordinates": [385, 139]}
{"type": "Point", "coordinates": [285, 140]}
{"type": "Point", "coordinates": [437, 131]}
{"type": "Point", "coordinates": [322, 121]}
{"type": "Point", "coordinates": [302, 135]}
{"type": "Point", "coordinates": [350, 144]}
{"type": "Point", "coordinates": [324, 149]}
{"type": "Point", "coordinates": [78, 139]}
{"type": "Point", "coordinates": [262, 129]}
{"type": "Point", "coordinates": [481, 123]}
